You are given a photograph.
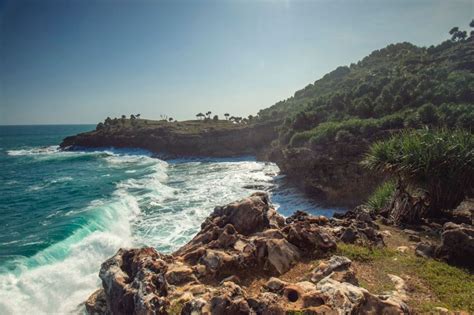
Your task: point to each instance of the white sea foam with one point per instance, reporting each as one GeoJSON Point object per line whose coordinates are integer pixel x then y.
{"type": "Point", "coordinates": [58, 279]}
{"type": "Point", "coordinates": [35, 151]}
{"type": "Point", "coordinates": [162, 204]}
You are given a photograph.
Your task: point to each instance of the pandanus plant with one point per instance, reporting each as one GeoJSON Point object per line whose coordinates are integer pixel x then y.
{"type": "Point", "coordinates": [441, 162]}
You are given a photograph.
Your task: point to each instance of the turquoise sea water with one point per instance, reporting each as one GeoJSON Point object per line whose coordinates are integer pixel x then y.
{"type": "Point", "coordinates": [63, 213]}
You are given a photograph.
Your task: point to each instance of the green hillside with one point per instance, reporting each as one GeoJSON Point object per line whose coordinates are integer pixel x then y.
{"type": "Point", "coordinates": [399, 86]}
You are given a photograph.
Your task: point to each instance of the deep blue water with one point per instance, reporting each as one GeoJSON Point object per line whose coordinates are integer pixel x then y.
{"type": "Point", "coordinates": [63, 213]}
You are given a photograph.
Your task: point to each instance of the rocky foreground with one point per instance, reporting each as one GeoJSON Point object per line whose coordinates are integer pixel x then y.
{"type": "Point", "coordinates": [245, 241]}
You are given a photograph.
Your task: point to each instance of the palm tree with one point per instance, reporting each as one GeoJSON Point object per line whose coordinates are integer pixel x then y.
{"type": "Point", "coordinates": [200, 115]}
{"type": "Point", "coordinates": [209, 114]}
{"type": "Point", "coordinates": [170, 119]}
{"type": "Point", "coordinates": [138, 116]}
{"type": "Point", "coordinates": [227, 116]}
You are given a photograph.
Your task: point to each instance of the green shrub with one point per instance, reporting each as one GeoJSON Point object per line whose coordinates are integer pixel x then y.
{"type": "Point", "coordinates": [381, 196]}
{"type": "Point", "coordinates": [440, 162]}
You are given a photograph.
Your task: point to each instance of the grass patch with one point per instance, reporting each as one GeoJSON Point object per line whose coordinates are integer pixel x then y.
{"type": "Point", "coordinates": [453, 286]}
{"type": "Point", "coordinates": [381, 196]}
{"type": "Point", "coordinates": [364, 254]}
{"type": "Point", "coordinates": [447, 286]}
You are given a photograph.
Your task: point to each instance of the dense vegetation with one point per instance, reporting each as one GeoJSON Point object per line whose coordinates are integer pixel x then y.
{"type": "Point", "coordinates": [381, 196]}
{"type": "Point", "coordinates": [400, 86]}
{"type": "Point", "coordinates": [440, 162]}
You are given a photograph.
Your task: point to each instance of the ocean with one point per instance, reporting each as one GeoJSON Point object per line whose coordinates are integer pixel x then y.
{"type": "Point", "coordinates": [63, 213]}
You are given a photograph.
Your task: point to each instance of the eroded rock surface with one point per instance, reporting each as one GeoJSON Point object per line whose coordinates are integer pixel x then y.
{"type": "Point", "coordinates": [237, 244]}
{"type": "Point", "coordinates": [457, 244]}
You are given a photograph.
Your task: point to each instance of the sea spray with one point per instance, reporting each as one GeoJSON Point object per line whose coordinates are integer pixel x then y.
{"type": "Point", "coordinates": [93, 202]}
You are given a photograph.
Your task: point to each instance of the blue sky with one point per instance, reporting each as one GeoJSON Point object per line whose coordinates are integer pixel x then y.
{"type": "Point", "coordinates": [80, 61]}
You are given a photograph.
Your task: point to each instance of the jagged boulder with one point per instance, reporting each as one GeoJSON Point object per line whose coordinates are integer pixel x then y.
{"type": "Point", "coordinates": [96, 304]}
{"type": "Point", "coordinates": [457, 244]}
{"type": "Point", "coordinates": [134, 282]}
{"type": "Point", "coordinates": [464, 213]}
{"type": "Point", "coordinates": [347, 298]}
{"type": "Point", "coordinates": [247, 216]}
{"type": "Point", "coordinates": [237, 243]}
{"type": "Point", "coordinates": [335, 266]}
{"type": "Point", "coordinates": [357, 226]}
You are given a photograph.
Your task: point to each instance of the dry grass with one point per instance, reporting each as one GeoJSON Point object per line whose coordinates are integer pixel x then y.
{"type": "Point", "coordinates": [430, 283]}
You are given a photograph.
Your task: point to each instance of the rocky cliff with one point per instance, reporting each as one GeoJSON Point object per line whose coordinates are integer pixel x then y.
{"type": "Point", "coordinates": [332, 173]}
{"type": "Point", "coordinates": [231, 265]}
{"type": "Point", "coordinates": [181, 139]}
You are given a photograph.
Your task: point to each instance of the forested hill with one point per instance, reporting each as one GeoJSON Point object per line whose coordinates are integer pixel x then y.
{"type": "Point", "coordinates": [399, 86]}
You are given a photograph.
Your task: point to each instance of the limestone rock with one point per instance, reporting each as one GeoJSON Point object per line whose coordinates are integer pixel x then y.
{"type": "Point", "coordinates": [281, 255]}
{"type": "Point", "coordinates": [237, 242]}
{"type": "Point", "coordinates": [326, 268]}
{"type": "Point", "coordinates": [96, 304]}
{"type": "Point", "coordinates": [134, 281]}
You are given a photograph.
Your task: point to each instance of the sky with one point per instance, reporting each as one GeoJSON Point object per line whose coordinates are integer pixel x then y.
{"type": "Point", "coordinates": [79, 61]}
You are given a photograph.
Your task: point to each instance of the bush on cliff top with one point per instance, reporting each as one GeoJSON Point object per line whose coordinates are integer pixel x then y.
{"type": "Point", "coordinates": [441, 162]}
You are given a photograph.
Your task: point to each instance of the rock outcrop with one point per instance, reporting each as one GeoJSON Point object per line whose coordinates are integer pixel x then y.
{"type": "Point", "coordinates": [457, 245]}
{"type": "Point", "coordinates": [238, 244]}
{"type": "Point", "coordinates": [332, 173]}
{"type": "Point", "coordinates": [180, 139]}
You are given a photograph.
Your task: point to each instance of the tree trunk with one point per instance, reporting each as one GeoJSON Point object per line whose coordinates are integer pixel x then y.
{"type": "Point", "coordinates": [406, 209]}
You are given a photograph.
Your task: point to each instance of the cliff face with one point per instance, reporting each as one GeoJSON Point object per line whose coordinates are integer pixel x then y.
{"type": "Point", "coordinates": [331, 173]}
{"type": "Point", "coordinates": [168, 139]}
